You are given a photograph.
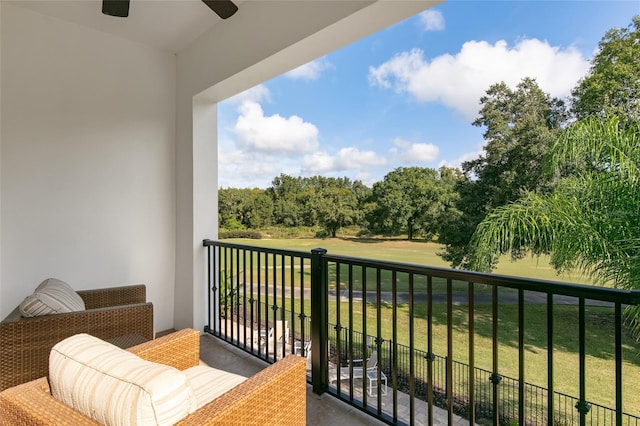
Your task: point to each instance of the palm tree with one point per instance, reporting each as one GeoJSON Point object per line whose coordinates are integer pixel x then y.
{"type": "Point", "coordinates": [590, 221]}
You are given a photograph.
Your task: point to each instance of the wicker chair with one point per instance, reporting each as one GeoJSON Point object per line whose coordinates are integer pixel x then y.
{"type": "Point", "coordinates": [111, 314]}
{"type": "Point", "coordinates": [275, 395]}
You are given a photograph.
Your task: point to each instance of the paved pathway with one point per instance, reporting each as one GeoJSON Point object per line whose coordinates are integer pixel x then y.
{"type": "Point", "coordinates": [480, 298]}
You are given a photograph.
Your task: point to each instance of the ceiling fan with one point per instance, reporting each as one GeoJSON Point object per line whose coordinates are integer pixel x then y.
{"type": "Point", "coordinates": [120, 8]}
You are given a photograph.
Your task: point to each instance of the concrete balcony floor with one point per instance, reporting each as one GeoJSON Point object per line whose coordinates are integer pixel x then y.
{"type": "Point", "coordinates": [321, 410]}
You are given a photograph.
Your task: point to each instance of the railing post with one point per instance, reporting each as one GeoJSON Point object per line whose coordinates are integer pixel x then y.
{"type": "Point", "coordinates": [212, 324]}
{"type": "Point", "coordinates": [319, 321]}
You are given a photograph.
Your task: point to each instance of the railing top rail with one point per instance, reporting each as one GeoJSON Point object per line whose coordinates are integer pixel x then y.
{"type": "Point", "coordinates": [631, 297]}
{"type": "Point", "coordinates": [297, 253]}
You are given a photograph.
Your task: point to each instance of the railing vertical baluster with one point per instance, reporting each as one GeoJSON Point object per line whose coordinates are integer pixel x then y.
{"type": "Point", "coordinates": [550, 393]}
{"type": "Point", "coordinates": [338, 328]}
{"type": "Point", "coordinates": [319, 321]}
{"type": "Point", "coordinates": [521, 377]}
{"type": "Point", "coordinates": [365, 343]}
{"type": "Point", "coordinates": [216, 291]}
{"type": "Point", "coordinates": [394, 349]}
{"type": "Point", "coordinates": [252, 301]}
{"type": "Point", "coordinates": [303, 314]}
{"type": "Point", "coordinates": [235, 293]}
{"type": "Point", "coordinates": [210, 266]}
{"type": "Point", "coordinates": [582, 406]}
{"type": "Point", "coordinates": [495, 377]}
{"type": "Point", "coordinates": [266, 307]}
{"type": "Point", "coordinates": [449, 379]}
{"type": "Point", "coordinates": [350, 356]}
{"type": "Point", "coordinates": [259, 302]}
{"type": "Point", "coordinates": [244, 297]}
{"type": "Point", "coordinates": [618, 331]}
{"type": "Point", "coordinates": [472, 383]}
{"type": "Point", "coordinates": [223, 293]}
{"type": "Point", "coordinates": [430, 355]}
{"type": "Point", "coordinates": [412, 366]}
{"type": "Point", "coordinates": [283, 305]}
{"type": "Point", "coordinates": [292, 299]}
{"type": "Point", "coordinates": [379, 339]}
{"type": "Point", "coordinates": [274, 306]}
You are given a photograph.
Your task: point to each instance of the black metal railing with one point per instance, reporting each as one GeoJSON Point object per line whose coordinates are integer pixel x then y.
{"type": "Point", "coordinates": [428, 327]}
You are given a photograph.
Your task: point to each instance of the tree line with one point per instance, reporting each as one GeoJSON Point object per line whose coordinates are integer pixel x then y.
{"type": "Point", "coordinates": [410, 200]}
{"type": "Point", "coordinates": [524, 129]}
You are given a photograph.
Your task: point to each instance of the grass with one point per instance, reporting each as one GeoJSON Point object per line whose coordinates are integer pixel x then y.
{"type": "Point", "coordinates": [600, 340]}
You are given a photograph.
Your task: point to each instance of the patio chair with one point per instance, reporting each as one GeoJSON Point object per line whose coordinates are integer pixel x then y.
{"type": "Point", "coordinates": [359, 371]}
{"type": "Point", "coordinates": [274, 395]}
{"type": "Point", "coordinates": [119, 314]}
{"type": "Point", "coordinates": [281, 337]}
{"type": "Point", "coordinates": [275, 344]}
{"type": "Point", "coordinates": [302, 349]}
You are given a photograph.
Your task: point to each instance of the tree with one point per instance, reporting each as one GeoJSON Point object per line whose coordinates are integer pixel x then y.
{"type": "Point", "coordinates": [590, 221]}
{"type": "Point", "coordinates": [337, 207]}
{"type": "Point", "coordinates": [259, 212]}
{"type": "Point", "coordinates": [232, 205]}
{"type": "Point", "coordinates": [240, 208]}
{"type": "Point", "coordinates": [520, 125]}
{"type": "Point", "coordinates": [285, 192]}
{"type": "Point", "coordinates": [408, 200]}
{"type": "Point", "coordinates": [613, 83]}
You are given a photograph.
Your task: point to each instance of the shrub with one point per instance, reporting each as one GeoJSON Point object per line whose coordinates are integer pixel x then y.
{"type": "Point", "coordinates": [240, 233]}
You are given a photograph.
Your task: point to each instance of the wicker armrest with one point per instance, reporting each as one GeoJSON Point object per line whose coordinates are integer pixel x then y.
{"type": "Point", "coordinates": [31, 404]}
{"type": "Point", "coordinates": [114, 296]}
{"type": "Point", "coordinates": [180, 350]}
{"type": "Point", "coordinates": [276, 395]}
{"type": "Point", "coordinates": [25, 344]}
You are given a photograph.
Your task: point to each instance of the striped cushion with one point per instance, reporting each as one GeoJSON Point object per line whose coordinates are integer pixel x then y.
{"type": "Point", "coordinates": [209, 383]}
{"type": "Point", "coordinates": [52, 296]}
{"type": "Point", "coordinates": [115, 387]}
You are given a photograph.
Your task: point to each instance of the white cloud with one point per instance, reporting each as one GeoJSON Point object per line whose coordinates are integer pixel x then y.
{"type": "Point", "coordinates": [349, 158]}
{"type": "Point", "coordinates": [414, 153]}
{"type": "Point", "coordinates": [459, 80]}
{"type": "Point", "coordinates": [309, 71]}
{"type": "Point", "coordinates": [432, 20]}
{"type": "Point", "coordinates": [245, 169]}
{"type": "Point", "coordinates": [273, 134]}
{"type": "Point", "coordinates": [466, 156]}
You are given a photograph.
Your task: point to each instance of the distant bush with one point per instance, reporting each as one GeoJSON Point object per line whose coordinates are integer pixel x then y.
{"type": "Point", "coordinates": [240, 233]}
{"type": "Point", "coordinates": [279, 232]}
{"type": "Point", "coordinates": [322, 234]}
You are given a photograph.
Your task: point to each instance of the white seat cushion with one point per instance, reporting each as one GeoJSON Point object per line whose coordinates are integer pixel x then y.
{"type": "Point", "coordinates": [52, 296]}
{"type": "Point", "coordinates": [116, 387]}
{"type": "Point", "coordinates": [209, 383]}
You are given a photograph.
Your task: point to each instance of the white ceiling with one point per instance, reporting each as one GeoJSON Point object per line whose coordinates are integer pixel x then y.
{"type": "Point", "coordinates": [165, 24]}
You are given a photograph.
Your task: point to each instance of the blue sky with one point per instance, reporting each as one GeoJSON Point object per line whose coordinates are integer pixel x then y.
{"type": "Point", "coordinates": [406, 96]}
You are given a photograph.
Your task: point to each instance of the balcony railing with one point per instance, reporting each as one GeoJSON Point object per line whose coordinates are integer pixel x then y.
{"type": "Point", "coordinates": [445, 339]}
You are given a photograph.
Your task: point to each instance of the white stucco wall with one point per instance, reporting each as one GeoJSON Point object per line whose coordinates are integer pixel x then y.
{"type": "Point", "coordinates": [87, 161]}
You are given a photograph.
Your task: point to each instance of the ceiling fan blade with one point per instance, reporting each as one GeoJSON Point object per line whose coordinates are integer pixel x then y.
{"type": "Point", "coordinates": [224, 8]}
{"type": "Point", "coordinates": [119, 8]}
